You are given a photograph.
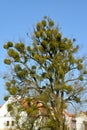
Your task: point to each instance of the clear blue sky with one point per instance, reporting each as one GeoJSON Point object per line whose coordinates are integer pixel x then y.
{"type": "Point", "coordinates": [17, 17]}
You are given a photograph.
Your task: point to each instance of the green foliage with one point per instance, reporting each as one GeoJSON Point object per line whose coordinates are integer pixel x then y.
{"type": "Point", "coordinates": [17, 68]}
{"type": "Point", "coordinates": [6, 98]}
{"type": "Point", "coordinates": [46, 72]}
{"type": "Point", "coordinates": [9, 107]}
{"type": "Point", "coordinates": [81, 77]}
{"type": "Point", "coordinates": [8, 84]}
{"type": "Point", "coordinates": [80, 66]}
{"type": "Point", "coordinates": [14, 54]}
{"type": "Point", "coordinates": [9, 44]}
{"type": "Point", "coordinates": [20, 47]}
{"type": "Point", "coordinates": [77, 99]}
{"type": "Point", "coordinates": [7, 61]}
{"type": "Point", "coordinates": [85, 72]}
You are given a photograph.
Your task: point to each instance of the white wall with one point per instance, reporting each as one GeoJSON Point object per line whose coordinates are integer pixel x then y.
{"type": "Point", "coordinates": [5, 116]}
{"type": "Point", "coordinates": [80, 122]}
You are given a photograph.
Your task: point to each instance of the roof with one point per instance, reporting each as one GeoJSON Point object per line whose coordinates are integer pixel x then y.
{"type": "Point", "coordinates": [68, 114]}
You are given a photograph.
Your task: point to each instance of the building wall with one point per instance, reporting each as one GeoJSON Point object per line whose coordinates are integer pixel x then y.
{"type": "Point", "coordinates": [76, 123]}
{"type": "Point", "coordinates": [80, 125]}
{"type": "Point", "coordinates": [6, 121]}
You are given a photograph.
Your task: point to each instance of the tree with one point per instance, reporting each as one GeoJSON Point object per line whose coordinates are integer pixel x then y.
{"type": "Point", "coordinates": [47, 71]}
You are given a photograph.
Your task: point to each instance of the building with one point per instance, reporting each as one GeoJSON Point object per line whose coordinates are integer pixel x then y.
{"type": "Point", "coordinates": [74, 122]}
{"type": "Point", "coordinates": [6, 121]}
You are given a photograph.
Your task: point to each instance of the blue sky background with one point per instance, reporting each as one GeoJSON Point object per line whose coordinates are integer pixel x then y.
{"type": "Point", "coordinates": [17, 17]}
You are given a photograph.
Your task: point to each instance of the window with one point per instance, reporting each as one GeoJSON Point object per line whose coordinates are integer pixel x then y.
{"type": "Point", "coordinates": [12, 123]}
{"type": "Point", "coordinates": [7, 124]}
{"type": "Point", "coordinates": [85, 125]}
{"type": "Point", "coordinates": [73, 124]}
